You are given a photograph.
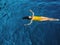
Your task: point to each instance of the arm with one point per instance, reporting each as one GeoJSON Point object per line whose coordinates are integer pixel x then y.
{"type": "Point", "coordinates": [31, 19]}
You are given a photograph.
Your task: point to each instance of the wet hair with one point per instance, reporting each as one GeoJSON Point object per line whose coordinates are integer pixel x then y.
{"type": "Point", "coordinates": [27, 17]}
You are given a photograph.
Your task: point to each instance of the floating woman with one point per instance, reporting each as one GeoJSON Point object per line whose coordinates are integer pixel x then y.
{"type": "Point", "coordinates": [38, 18]}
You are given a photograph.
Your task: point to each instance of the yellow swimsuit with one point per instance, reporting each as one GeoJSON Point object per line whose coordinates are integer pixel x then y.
{"type": "Point", "coordinates": [37, 18]}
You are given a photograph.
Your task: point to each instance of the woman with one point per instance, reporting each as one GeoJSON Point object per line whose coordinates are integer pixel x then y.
{"type": "Point", "coordinates": [38, 18]}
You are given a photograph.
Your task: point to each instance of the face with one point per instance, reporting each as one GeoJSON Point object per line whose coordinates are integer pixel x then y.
{"type": "Point", "coordinates": [30, 17]}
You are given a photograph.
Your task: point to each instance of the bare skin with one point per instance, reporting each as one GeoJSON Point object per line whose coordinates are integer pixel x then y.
{"type": "Point", "coordinates": [48, 19]}
{"type": "Point", "coordinates": [41, 18]}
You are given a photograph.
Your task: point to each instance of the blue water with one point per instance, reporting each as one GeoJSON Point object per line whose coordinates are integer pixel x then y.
{"type": "Point", "coordinates": [13, 31]}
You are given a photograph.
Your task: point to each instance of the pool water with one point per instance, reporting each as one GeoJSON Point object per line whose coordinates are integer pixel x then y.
{"type": "Point", "coordinates": [13, 31]}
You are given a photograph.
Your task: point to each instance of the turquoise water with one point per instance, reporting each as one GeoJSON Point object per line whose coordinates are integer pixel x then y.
{"type": "Point", "coordinates": [13, 31]}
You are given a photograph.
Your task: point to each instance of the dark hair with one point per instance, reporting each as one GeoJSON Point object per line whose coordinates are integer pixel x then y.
{"type": "Point", "coordinates": [27, 17]}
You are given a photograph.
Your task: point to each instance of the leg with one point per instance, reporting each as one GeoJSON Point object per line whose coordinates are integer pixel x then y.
{"type": "Point", "coordinates": [48, 19]}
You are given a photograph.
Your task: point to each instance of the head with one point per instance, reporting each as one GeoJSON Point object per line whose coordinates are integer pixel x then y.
{"type": "Point", "coordinates": [27, 17]}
